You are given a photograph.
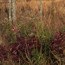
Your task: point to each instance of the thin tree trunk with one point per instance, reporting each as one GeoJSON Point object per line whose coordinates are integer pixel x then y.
{"type": "Point", "coordinates": [12, 11]}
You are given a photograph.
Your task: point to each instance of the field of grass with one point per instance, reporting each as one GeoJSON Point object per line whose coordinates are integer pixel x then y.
{"type": "Point", "coordinates": [37, 37]}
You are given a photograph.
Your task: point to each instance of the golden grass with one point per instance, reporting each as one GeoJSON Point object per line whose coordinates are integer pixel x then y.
{"type": "Point", "coordinates": [58, 13]}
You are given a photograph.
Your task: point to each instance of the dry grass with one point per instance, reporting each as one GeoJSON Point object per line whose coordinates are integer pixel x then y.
{"type": "Point", "coordinates": [46, 25]}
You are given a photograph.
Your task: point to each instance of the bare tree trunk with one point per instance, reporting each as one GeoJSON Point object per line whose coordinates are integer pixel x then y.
{"type": "Point", "coordinates": [40, 10]}
{"type": "Point", "coordinates": [12, 11]}
{"type": "Point", "coordinates": [41, 7]}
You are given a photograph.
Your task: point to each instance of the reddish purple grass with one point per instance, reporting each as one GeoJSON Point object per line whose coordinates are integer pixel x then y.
{"type": "Point", "coordinates": [3, 53]}
{"type": "Point", "coordinates": [58, 42]}
{"type": "Point", "coordinates": [25, 46]}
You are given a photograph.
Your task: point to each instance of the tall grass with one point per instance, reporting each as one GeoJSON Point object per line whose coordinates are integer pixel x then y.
{"type": "Point", "coordinates": [32, 42]}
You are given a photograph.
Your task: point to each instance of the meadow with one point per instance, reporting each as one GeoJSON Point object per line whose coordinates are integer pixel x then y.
{"type": "Point", "coordinates": [37, 37]}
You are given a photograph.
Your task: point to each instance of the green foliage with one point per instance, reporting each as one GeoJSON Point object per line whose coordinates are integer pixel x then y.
{"type": "Point", "coordinates": [38, 58]}
{"type": "Point", "coordinates": [43, 32]}
{"type": "Point", "coordinates": [25, 29]}
{"type": "Point", "coordinates": [63, 29]}
{"type": "Point", "coordinates": [6, 31]}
